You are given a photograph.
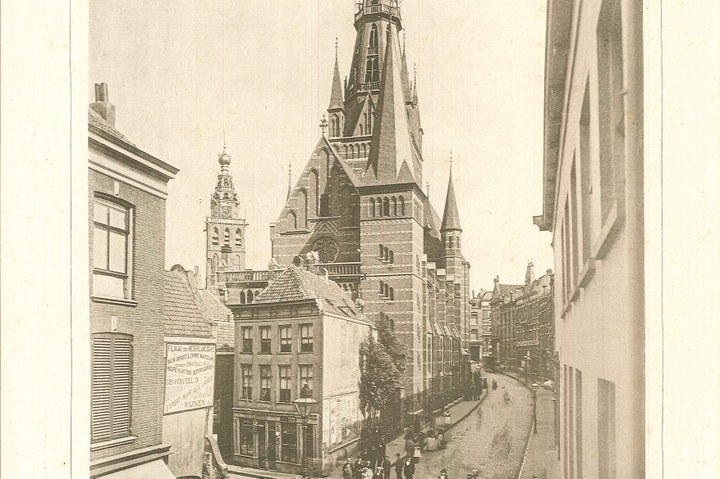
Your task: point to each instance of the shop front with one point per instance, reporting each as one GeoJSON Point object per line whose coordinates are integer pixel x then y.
{"type": "Point", "coordinates": [274, 441]}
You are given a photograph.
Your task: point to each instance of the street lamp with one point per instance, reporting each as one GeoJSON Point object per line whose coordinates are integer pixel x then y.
{"type": "Point", "coordinates": [534, 389]}
{"type": "Point", "coordinates": [305, 406]}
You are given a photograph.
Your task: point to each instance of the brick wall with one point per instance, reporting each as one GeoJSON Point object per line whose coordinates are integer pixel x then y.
{"type": "Point", "coordinates": [144, 321]}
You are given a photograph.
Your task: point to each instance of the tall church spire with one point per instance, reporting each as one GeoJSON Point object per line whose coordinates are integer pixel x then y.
{"type": "Point", "coordinates": [391, 157]}
{"type": "Point", "coordinates": [451, 218]}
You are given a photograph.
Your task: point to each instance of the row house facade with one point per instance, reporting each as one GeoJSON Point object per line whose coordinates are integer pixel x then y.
{"type": "Point", "coordinates": [126, 204]}
{"type": "Point", "coordinates": [302, 333]}
{"type": "Point", "coordinates": [523, 325]}
{"type": "Point", "coordinates": [480, 345]}
{"type": "Point", "coordinates": [593, 207]}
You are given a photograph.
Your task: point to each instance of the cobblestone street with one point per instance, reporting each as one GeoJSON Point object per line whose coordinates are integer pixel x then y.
{"type": "Point", "coordinates": [491, 439]}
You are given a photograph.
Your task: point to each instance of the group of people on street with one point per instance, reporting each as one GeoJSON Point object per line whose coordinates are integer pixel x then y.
{"type": "Point", "coordinates": [476, 385]}
{"type": "Point", "coordinates": [364, 469]}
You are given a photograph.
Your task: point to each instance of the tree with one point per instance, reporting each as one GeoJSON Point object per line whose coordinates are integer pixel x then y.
{"type": "Point", "coordinates": [379, 378]}
{"type": "Point", "coordinates": [394, 348]}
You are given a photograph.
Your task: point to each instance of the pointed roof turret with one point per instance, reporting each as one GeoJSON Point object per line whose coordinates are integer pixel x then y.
{"type": "Point", "coordinates": [405, 75]}
{"type": "Point", "coordinates": [391, 146]}
{"type": "Point", "coordinates": [451, 218]}
{"type": "Point", "coordinates": [336, 94]}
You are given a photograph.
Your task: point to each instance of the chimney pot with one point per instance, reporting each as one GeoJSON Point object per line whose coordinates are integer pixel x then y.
{"type": "Point", "coordinates": [101, 105]}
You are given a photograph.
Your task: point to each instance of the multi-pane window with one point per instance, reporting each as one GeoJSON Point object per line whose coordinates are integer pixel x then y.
{"type": "Point", "coordinates": [112, 249]}
{"type": "Point", "coordinates": [285, 339]}
{"type": "Point", "coordinates": [265, 380]}
{"type": "Point", "coordinates": [265, 340]}
{"type": "Point", "coordinates": [284, 374]}
{"type": "Point", "coordinates": [110, 386]}
{"type": "Point", "coordinates": [247, 438]}
{"type": "Point", "coordinates": [372, 73]}
{"type": "Point", "coordinates": [246, 370]}
{"type": "Point", "coordinates": [247, 340]}
{"type": "Point", "coordinates": [306, 377]}
{"type": "Point", "coordinates": [288, 442]}
{"type": "Point", "coordinates": [306, 338]}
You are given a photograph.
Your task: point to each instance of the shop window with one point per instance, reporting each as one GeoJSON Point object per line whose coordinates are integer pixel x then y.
{"type": "Point", "coordinates": [265, 381]}
{"type": "Point", "coordinates": [112, 249]}
{"type": "Point", "coordinates": [285, 339]}
{"type": "Point", "coordinates": [247, 342]}
{"type": "Point", "coordinates": [265, 340]}
{"type": "Point", "coordinates": [285, 383]}
{"type": "Point", "coordinates": [288, 442]}
{"type": "Point", "coordinates": [111, 385]}
{"type": "Point", "coordinates": [247, 440]}
{"type": "Point", "coordinates": [306, 338]}
{"type": "Point", "coordinates": [309, 441]}
{"type": "Point", "coordinates": [246, 370]}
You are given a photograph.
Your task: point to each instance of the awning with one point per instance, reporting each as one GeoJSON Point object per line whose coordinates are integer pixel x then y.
{"type": "Point", "coordinates": [150, 470]}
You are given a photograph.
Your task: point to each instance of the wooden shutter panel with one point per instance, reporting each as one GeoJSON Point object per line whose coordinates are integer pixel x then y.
{"type": "Point", "coordinates": [122, 380]}
{"type": "Point", "coordinates": [101, 388]}
{"type": "Point", "coordinates": [111, 386]}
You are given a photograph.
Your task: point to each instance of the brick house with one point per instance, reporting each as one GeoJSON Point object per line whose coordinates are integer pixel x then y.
{"type": "Point", "coordinates": [126, 204]}
{"type": "Point", "coordinates": [302, 330]}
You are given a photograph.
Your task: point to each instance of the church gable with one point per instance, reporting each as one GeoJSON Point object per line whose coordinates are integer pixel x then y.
{"type": "Point", "coordinates": [325, 188]}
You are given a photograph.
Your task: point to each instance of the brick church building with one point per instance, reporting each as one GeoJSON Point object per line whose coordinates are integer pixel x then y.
{"type": "Point", "coordinates": [359, 205]}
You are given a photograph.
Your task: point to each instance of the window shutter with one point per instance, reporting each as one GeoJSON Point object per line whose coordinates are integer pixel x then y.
{"type": "Point", "coordinates": [101, 388]}
{"type": "Point", "coordinates": [122, 377]}
{"type": "Point", "coordinates": [111, 386]}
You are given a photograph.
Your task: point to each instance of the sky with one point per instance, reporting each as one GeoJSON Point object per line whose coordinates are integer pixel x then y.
{"type": "Point", "coordinates": [186, 75]}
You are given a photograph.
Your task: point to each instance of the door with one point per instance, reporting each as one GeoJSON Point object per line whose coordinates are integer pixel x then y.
{"type": "Point", "coordinates": [262, 449]}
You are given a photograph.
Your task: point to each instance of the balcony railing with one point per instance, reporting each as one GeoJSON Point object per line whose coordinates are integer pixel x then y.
{"type": "Point", "coordinates": [243, 276]}
{"type": "Point", "coordinates": [341, 269]}
{"type": "Point", "coordinates": [370, 9]}
{"type": "Point", "coordinates": [369, 86]}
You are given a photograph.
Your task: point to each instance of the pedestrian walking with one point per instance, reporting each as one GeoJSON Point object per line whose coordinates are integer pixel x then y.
{"type": "Point", "coordinates": [409, 467]}
{"type": "Point", "coordinates": [485, 383]}
{"type": "Point", "coordinates": [357, 469]}
{"type": "Point", "coordinates": [398, 466]}
{"type": "Point", "coordinates": [347, 470]}
{"type": "Point", "coordinates": [379, 473]}
{"type": "Point", "coordinates": [386, 464]}
{"type": "Point", "coordinates": [494, 384]}
{"type": "Point", "coordinates": [366, 471]}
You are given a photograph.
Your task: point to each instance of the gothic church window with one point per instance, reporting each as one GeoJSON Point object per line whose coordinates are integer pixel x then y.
{"type": "Point", "coordinates": [302, 208]}
{"type": "Point", "coordinates": [380, 251]}
{"type": "Point", "coordinates": [352, 151]}
{"type": "Point", "coordinates": [401, 206]}
{"type": "Point", "coordinates": [386, 207]}
{"type": "Point", "coordinates": [391, 257]}
{"type": "Point", "coordinates": [250, 296]}
{"type": "Point", "coordinates": [315, 192]}
{"type": "Point", "coordinates": [373, 38]}
{"type": "Point", "coordinates": [371, 208]}
{"type": "Point", "coordinates": [391, 294]}
{"type": "Point", "coordinates": [226, 237]}
{"type": "Point", "coordinates": [242, 297]}
{"type": "Point", "coordinates": [215, 236]}
{"type": "Point", "coordinates": [291, 220]}
{"type": "Point", "coordinates": [378, 206]}
{"type": "Point", "coordinates": [393, 205]}
{"type": "Point", "coordinates": [238, 237]}
{"type": "Point", "coordinates": [371, 70]}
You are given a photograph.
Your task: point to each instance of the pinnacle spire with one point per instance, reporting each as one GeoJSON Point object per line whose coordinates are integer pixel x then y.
{"type": "Point", "coordinates": [414, 87]}
{"type": "Point", "coordinates": [405, 75]}
{"type": "Point", "coordinates": [451, 218]}
{"type": "Point", "coordinates": [391, 146]}
{"type": "Point", "coordinates": [336, 94]}
{"type": "Point", "coordinates": [289, 181]}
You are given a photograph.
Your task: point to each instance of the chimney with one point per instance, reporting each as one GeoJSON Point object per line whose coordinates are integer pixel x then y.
{"type": "Point", "coordinates": [102, 105]}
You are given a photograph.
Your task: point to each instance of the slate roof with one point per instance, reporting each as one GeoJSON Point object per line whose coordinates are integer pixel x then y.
{"type": "Point", "coordinates": [99, 122]}
{"type": "Point", "coordinates": [336, 99]}
{"type": "Point", "coordinates": [392, 158]}
{"type": "Point", "coordinates": [182, 314]}
{"type": "Point", "coordinates": [451, 218]}
{"type": "Point", "coordinates": [295, 284]}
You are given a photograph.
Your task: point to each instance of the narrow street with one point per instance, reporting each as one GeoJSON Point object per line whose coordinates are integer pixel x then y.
{"type": "Point", "coordinates": [490, 440]}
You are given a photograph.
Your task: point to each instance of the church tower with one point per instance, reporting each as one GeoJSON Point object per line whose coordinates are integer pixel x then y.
{"type": "Point", "coordinates": [224, 228]}
{"type": "Point", "coordinates": [456, 267]}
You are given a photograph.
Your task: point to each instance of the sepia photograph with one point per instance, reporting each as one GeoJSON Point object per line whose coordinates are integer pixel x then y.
{"type": "Point", "coordinates": [281, 268]}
